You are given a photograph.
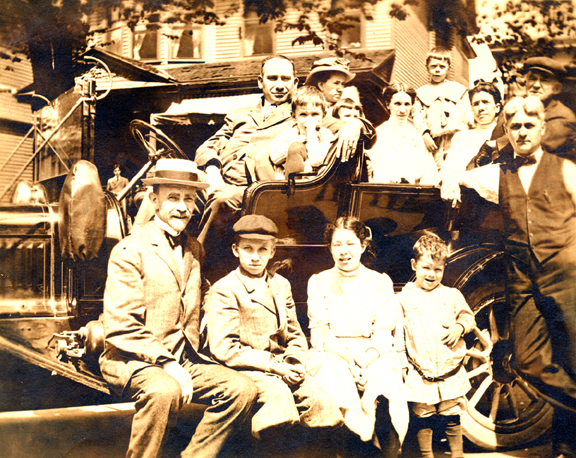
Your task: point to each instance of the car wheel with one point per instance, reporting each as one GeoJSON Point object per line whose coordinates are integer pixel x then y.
{"type": "Point", "coordinates": [503, 410]}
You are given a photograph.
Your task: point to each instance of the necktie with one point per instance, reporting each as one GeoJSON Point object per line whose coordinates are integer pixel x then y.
{"type": "Point", "coordinates": [519, 161]}
{"type": "Point", "coordinates": [175, 241]}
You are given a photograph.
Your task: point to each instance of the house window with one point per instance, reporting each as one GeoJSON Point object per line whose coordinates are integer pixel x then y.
{"type": "Point", "coordinates": [113, 41]}
{"type": "Point", "coordinates": [258, 38]}
{"type": "Point", "coordinates": [352, 36]}
{"type": "Point", "coordinates": [185, 43]}
{"type": "Point", "coordinates": [145, 44]}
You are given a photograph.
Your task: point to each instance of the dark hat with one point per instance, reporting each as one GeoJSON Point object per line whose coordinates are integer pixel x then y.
{"type": "Point", "coordinates": [545, 64]}
{"type": "Point", "coordinates": [331, 64]}
{"type": "Point", "coordinates": [256, 227]}
{"type": "Point", "coordinates": [175, 171]}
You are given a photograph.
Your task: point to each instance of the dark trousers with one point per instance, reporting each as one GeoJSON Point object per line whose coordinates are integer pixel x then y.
{"type": "Point", "coordinates": [543, 331]}
{"type": "Point", "coordinates": [228, 395]}
{"type": "Point", "coordinates": [225, 199]}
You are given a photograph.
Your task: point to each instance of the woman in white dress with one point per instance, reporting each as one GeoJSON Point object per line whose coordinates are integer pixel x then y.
{"type": "Point", "coordinates": [355, 320]}
{"type": "Point", "coordinates": [399, 154]}
{"type": "Point", "coordinates": [486, 103]}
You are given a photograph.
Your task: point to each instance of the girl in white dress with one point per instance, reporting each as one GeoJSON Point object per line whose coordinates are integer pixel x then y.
{"type": "Point", "coordinates": [399, 154]}
{"type": "Point", "coordinates": [354, 321]}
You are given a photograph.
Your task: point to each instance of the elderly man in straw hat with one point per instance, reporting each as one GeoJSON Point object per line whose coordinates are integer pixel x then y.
{"type": "Point", "coordinates": [152, 325]}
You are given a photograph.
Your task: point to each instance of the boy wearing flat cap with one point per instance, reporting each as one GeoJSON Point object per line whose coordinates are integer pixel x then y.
{"type": "Point", "coordinates": [152, 315]}
{"type": "Point", "coordinates": [253, 328]}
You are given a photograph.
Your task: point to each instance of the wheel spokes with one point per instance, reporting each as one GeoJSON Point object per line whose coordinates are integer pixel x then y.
{"type": "Point", "coordinates": [482, 369]}
{"type": "Point", "coordinates": [494, 333]}
{"type": "Point", "coordinates": [480, 391]}
{"type": "Point", "coordinates": [533, 395]}
{"type": "Point", "coordinates": [513, 402]}
{"type": "Point", "coordinates": [495, 402]}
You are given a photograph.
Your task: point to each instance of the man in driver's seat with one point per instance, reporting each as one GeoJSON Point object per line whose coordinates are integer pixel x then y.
{"type": "Point", "coordinates": [228, 156]}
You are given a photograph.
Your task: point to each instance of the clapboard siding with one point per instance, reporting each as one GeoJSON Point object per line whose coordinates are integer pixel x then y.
{"type": "Point", "coordinates": [8, 170]}
{"type": "Point", "coordinates": [378, 31]}
{"type": "Point", "coordinates": [15, 121]}
{"type": "Point", "coordinates": [285, 39]}
{"type": "Point", "coordinates": [11, 110]}
{"type": "Point", "coordinates": [460, 64]}
{"type": "Point", "coordinates": [15, 76]}
{"type": "Point", "coordinates": [410, 39]}
{"type": "Point", "coordinates": [226, 45]}
{"type": "Point", "coordinates": [411, 44]}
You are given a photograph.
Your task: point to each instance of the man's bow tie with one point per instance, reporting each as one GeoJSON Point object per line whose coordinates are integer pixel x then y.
{"type": "Point", "coordinates": [174, 241]}
{"type": "Point", "coordinates": [519, 161]}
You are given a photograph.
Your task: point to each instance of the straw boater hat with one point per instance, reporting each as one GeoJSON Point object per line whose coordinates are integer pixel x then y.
{"type": "Point", "coordinates": [175, 171]}
{"type": "Point", "coordinates": [331, 64]}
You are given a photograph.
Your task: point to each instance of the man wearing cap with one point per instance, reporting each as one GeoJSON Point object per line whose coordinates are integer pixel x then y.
{"type": "Point", "coordinates": [544, 77]}
{"type": "Point", "coordinates": [152, 325]}
{"type": "Point", "coordinates": [228, 157]}
{"type": "Point", "coordinates": [544, 80]}
{"type": "Point", "coordinates": [253, 328]}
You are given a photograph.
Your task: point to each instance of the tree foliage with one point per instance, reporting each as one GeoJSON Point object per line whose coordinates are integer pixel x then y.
{"type": "Point", "coordinates": [53, 32]}
{"type": "Point", "coordinates": [519, 29]}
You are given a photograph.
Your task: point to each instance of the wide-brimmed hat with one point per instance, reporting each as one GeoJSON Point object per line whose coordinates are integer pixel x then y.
{"type": "Point", "coordinates": [256, 227]}
{"type": "Point", "coordinates": [547, 65]}
{"type": "Point", "coordinates": [175, 171]}
{"type": "Point", "coordinates": [331, 64]}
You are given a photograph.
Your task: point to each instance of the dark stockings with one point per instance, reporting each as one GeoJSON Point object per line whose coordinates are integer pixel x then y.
{"type": "Point", "coordinates": [450, 424]}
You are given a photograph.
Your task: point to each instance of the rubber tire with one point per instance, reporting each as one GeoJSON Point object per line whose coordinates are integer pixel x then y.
{"type": "Point", "coordinates": [478, 428]}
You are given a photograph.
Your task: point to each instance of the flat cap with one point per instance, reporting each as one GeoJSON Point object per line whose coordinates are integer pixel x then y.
{"type": "Point", "coordinates": [545, 64]}
{"type": "Point", "coordinates": [255, 226]}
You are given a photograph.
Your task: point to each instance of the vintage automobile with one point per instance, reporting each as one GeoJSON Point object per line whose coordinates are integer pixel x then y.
{"type": "Point", "coordinates": [53, 262]}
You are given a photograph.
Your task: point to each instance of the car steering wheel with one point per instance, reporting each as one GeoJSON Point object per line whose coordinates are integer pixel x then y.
{"type": "Point", "coordinates": [155, 142]}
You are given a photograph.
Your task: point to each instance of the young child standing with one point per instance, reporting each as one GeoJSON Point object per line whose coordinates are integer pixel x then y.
{"type": "Point", "coordinates": [435, 319]}
{"type": "Point", "coordinates": [304, 144]}
{"type": "Point", "coordinates": [442, 107]}
{"type": "Point", "coordinates": [253, 328]}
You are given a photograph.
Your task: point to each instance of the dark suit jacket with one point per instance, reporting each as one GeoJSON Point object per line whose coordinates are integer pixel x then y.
{"type": "Point", "coordinates": [246, 331]}
{"type": "Point", "coordinates": [151, 314]}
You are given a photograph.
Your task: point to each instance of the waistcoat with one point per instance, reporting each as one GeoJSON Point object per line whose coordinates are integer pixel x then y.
{"type": "Point", "coordinates": [542, 221]}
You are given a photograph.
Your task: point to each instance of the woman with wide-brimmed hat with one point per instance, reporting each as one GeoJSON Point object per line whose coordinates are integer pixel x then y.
{"type": "Point", "coordinates": [330, 75]}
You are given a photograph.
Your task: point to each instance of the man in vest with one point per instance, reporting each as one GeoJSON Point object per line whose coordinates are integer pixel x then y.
{"type": "Point", "coordinates": [536, 191]}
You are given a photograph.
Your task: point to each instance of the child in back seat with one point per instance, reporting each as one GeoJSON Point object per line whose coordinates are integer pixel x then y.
{"type": "Point", "coordinates": [304, 145]}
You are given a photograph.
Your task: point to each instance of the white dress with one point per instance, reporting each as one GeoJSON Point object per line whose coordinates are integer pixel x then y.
{"type": "Point", "coordinates": [465, 145]}
{"type": "Point", "coordinates": [399, 153]}
{"type": "Point", "coordinates": [362, 312]}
